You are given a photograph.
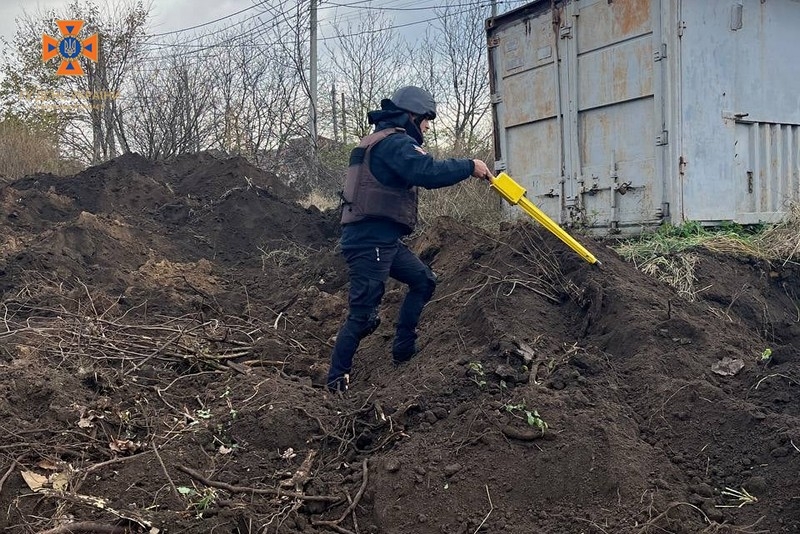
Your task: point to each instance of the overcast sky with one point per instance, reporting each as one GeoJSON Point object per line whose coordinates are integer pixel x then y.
{"type": "Point", "coordinates": [170, 15]}
{"type": "Point", "coordinates": [413, 16]}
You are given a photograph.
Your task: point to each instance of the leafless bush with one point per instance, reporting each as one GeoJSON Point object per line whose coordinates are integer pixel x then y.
{"type": "Point", "coordinates": [470, 201]}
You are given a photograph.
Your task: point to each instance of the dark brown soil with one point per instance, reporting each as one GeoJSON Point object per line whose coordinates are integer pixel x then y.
{"type": "Point", "coordinates": [166, 329]}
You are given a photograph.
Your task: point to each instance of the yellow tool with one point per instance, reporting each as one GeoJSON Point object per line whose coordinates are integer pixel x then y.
{"type": "Point", "coordinates": [515, 194]}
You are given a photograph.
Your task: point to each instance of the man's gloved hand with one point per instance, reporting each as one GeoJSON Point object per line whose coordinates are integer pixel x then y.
{"type": "Point", "coordinates": [481, 170]}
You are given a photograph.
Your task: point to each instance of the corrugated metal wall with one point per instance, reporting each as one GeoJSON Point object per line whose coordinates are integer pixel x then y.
{"type": "Point", "coordinates": [740, 109]}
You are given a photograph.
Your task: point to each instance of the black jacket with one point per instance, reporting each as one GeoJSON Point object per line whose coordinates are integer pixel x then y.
{"type": "Point", "coordinates": [400, 161]}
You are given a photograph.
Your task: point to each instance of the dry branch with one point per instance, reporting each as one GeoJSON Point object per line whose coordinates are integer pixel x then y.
{"type": "Point", "coordinates": [203, 343]}
{"type": "Point", "coordinates": [86, 526]}
{"type": "Point", "coordinates": [259, 491]}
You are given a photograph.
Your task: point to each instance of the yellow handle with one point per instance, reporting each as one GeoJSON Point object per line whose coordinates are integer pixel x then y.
{"type": "Point", "coordinates": [514, 193]}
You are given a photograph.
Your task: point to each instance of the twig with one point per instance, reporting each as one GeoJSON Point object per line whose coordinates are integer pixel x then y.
{"type": "Point", "coordinates": [334, 526]}
{"type": "Point", "coordinates": [86, 526]}
{"type": "Point", "coordinates": [8, 473]}
{"type": "Point", "coordinates": [260, 491]}
{"type": "Point", "coordinates": [360, 493]}
{"type": "Point", "coordinates": [166, 473]}
{"type": "Point", "coordinates": [158, 349]}
{"type": "Point", "coordinates": [789, 378]}
{"type": "Point", "coordinates": [595, 525]}
{"type": "Point", "coordinates": [95, 467]}
{"type": "Point", "coordinates": [664, 404]}
{"type": "Point", "coordinates": [491, 508]}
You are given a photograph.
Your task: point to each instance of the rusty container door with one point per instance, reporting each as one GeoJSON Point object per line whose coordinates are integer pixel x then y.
{"type": "Point", "coordinates": [578, 109]}
{"type": "Point", "coordinates": [614, 59]}
{"type": "Point", "coordinates": [526, 105]}
{"type": "Point", "coordinates": [740, 109]}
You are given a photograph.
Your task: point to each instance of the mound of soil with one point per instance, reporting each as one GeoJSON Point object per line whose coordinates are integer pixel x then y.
{"type": "Point", "coordinates": [166, 333]}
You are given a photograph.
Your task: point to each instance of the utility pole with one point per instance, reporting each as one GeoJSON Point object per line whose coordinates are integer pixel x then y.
{"type": "Point", "coordinates": [313, 79]}
{"type": "Point", "coordinates": [344, 122]}
{"type": "Point", "coordinates": [335, 125]}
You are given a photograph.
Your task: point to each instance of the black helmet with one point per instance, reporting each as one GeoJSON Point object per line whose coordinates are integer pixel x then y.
{"type": "Point", "coordinates": [415, 100]}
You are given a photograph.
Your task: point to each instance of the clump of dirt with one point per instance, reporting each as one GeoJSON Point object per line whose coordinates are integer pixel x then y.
{"type": "Point", "coordinates": [166, 332]}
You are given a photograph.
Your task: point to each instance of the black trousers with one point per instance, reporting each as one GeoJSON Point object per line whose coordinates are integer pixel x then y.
{"type": "Point", "coordinates": [369, 269]}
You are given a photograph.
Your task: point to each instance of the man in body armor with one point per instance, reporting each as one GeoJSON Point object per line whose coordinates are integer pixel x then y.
{"type": "Point", "coordinates": [380, 208]}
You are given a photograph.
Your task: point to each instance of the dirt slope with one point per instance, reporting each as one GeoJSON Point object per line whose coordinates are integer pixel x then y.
{"type": "Point", "coordinates": [166, 329]}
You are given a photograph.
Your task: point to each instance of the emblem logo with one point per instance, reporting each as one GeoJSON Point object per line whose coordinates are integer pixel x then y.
{"type": "Point", "coordinates": [69, 48]}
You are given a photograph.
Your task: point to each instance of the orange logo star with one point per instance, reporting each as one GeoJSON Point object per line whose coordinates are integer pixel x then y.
{"type": "Point", "coordinates": [69, 48]}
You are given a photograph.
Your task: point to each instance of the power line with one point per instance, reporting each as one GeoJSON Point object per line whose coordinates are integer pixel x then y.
{"type": "Point", "coordinates": [383, 8]}
{"type": "Point", "coordinates": [205, 35]}
{"type": "Point", "coordinates": [397, 26]}
{"type": "Point", "coordinates": [417, 7]}
{"type": "Point", "coordinates": [209, 22]}
{"type": "Point", "coordinates": [197, 50]}
{"type": "Point", "coordinates": [190, 49]}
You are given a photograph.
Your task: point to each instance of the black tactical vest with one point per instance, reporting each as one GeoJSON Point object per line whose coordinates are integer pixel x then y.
{"type": "Point", "coordinates": [365, 197]}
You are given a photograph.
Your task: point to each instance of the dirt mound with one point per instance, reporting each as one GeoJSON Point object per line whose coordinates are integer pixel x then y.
{"type": "Point", "coordinates": [167, 329]}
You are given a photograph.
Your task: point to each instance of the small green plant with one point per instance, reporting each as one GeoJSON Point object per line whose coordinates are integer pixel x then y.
{"type": "Point", "coordinates": [766, 355]}
{"type": "Point", "coordinates": [199, 500]}
{"type": "Point", "coordinates": [531, 417]}
{"type": "Point", "coordinates": [743, 496]}
{"type": "Point", "coordinates": [477, 374]}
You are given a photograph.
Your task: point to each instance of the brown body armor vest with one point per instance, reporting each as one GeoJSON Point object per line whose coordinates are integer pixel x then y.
{"type": "Point", "coordinates": [365, 197]}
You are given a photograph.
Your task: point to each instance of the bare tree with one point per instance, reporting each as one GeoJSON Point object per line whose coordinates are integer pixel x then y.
{"type": "Point", "coordinates": [259, 100]}
{"type": "Point", "coordinates": [290, 46]}
{"type": "Point", "coordinates": [451, 62]}
{"type": "Point", "coordinates": [169, 109]}
{"type": "Point", "coordinates": [89, 119]}
{"type": "Point", "coordinates": [366, 64]}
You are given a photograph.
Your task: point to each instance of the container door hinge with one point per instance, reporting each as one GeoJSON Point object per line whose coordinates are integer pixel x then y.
{"type": "Point", "coordinates": [566, 31]}
{"type": "Point", "coordinates": [663, 138]}
{"type": "Point", "coordinates": [496, 98]}
{"type": "Point", "coordinates": [493, 42]}
{"type": "Point", "coordinates": [500, 166]}
{"type": "Point", "coordinates": [660, 53]}
{"type": "Point", "coordinates": [681, 27]}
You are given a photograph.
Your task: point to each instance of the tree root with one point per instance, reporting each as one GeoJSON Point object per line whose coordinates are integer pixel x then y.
{"type": "Point", "coordinates": [336, 525]}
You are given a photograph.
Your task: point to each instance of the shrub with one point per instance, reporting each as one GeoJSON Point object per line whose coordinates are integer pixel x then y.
{"type": "Point", "coordinates": [25, 150]}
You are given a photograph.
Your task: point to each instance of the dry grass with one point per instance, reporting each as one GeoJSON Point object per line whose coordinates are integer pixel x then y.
{"type": "Point", "coordinates": [781, 242]}
{"type": "Point", "coordinates": [24, 152]}
{"type": "Point", "coordinates": [320, 200]}
{"type": "Point", "coordinates": [669, 254]}
{"type": "Point", "coordinates": [284, 255]}
{"type": "Point", "coordinates": [677, 271]}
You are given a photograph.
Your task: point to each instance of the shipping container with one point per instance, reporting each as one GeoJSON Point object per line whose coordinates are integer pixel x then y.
{"type": "Point", "coordinates": [621, 115]}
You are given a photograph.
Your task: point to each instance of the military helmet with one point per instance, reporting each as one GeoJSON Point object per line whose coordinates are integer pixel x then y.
{"type": "Point", "coordinates": [415, 100]}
